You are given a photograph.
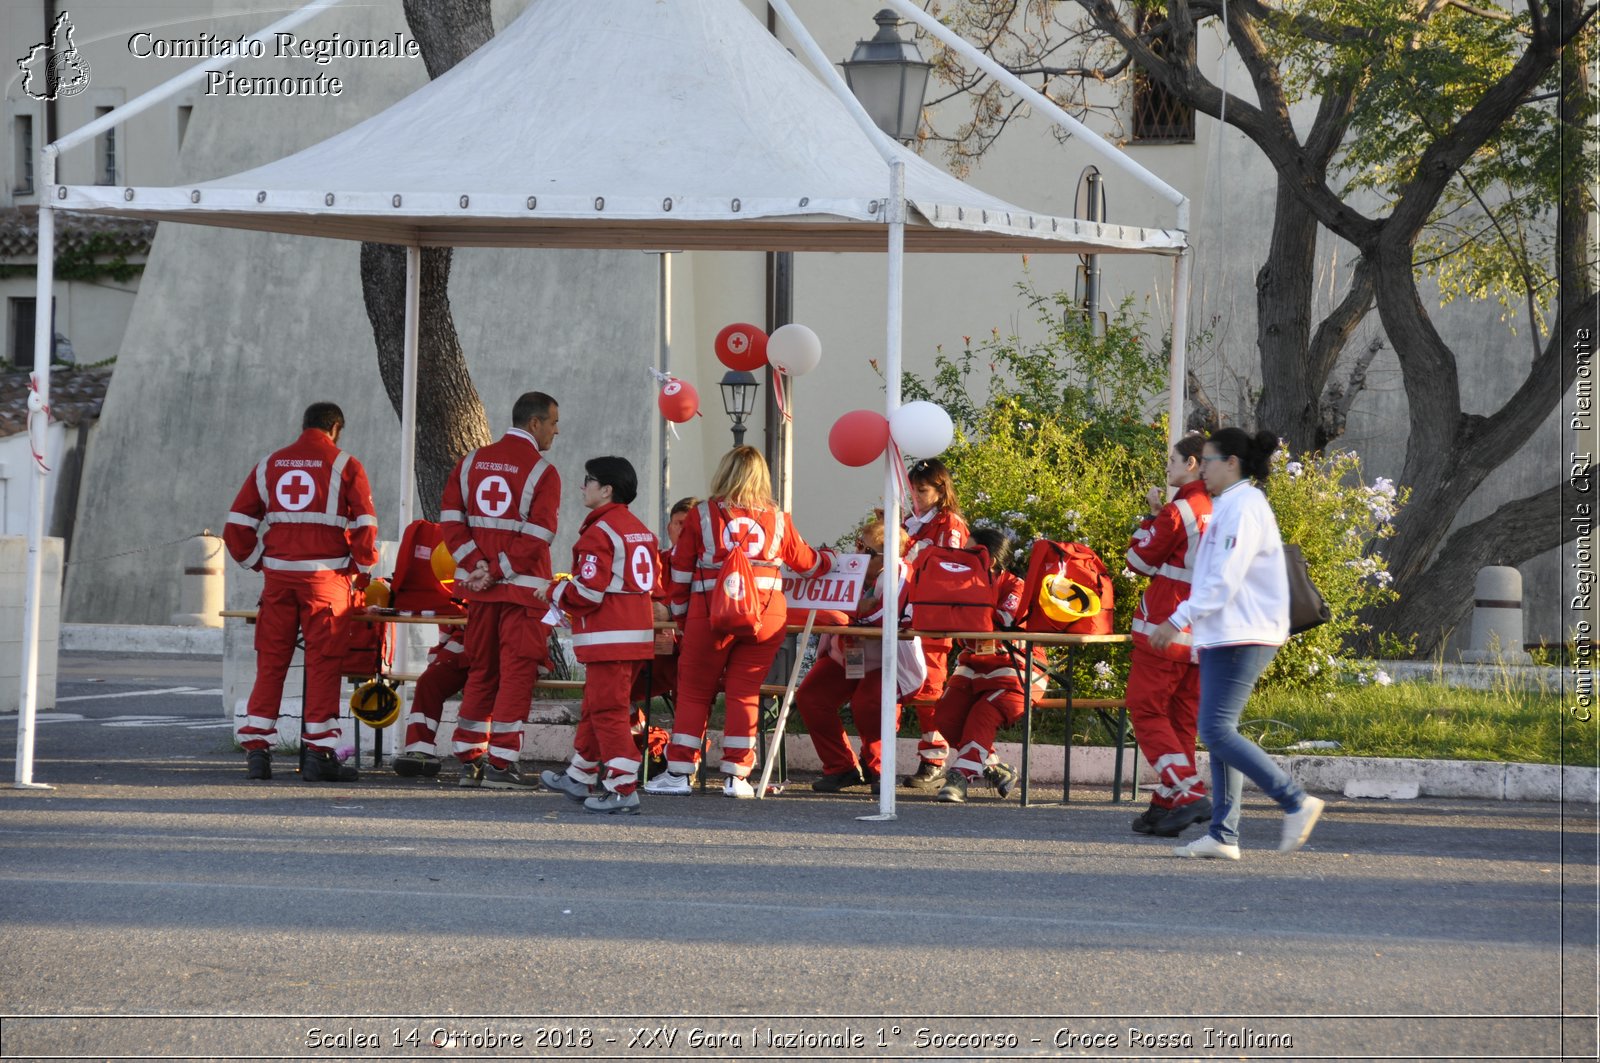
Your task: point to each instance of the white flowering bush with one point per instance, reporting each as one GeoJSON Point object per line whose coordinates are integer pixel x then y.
{"type": "Point", "coordinates": [1323, 506]}
{"type": "Point", "coordinates": [1054, 440]}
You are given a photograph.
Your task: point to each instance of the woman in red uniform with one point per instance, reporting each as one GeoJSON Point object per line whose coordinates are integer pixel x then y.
{"type": "Point", "coordinates": [740, 510]}
{"type": "Point", "coordinates": [935, 520]}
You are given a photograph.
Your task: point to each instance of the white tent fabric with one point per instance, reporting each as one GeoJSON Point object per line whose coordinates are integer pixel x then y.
{"type": "Point", "coordinates": [682, 123]}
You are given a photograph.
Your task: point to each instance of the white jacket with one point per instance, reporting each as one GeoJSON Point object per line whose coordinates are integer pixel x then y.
{"type": "Point", "coordinates": [1240, 593]}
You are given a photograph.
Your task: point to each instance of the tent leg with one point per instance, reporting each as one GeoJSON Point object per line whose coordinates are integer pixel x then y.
{"type": "Point", "coordinates": [408, 418]}
{"type": "Point", "coordinates": [1180, 340]}
{"type": "Point", "coordinates": [889, 692]}
{"type": "Point", "coordinates": [43, 341]}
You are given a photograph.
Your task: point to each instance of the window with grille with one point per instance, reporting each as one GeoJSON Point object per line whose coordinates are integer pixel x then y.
{"type": "Point", "coordinates": [105, 155]}
{"type": "Point", "coordinates": [1158, 115]}
{"type": "Point", "coordinates": [22, 154]}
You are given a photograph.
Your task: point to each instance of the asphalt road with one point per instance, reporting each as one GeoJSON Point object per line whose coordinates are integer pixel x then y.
{"type": "Point", "coordinates": [155, 904]}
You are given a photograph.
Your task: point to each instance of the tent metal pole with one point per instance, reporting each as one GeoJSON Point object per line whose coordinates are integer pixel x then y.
{"type": "Point", "coordinates": [408, 389]}
{"type": "Point", "coordinates": [43, 340]}
{"type": "Point", "coordinates": [1089, 137]}
{"type": "Point", "coordinates": [144, 101]}
{"type": "Point", "coordinates": [407, 506]}
{"type": "Point", "coordinates": [1176, 375]}
{"type": "Point", "coordinates": [664, 364]}
{"type": "Point", "coordinates": [889, 692]}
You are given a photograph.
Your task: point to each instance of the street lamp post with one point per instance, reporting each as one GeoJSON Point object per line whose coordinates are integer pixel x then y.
{"type": "Point", "coordinates": [889, 76]}
{"type": "Point", "coordinates": [738, 400]}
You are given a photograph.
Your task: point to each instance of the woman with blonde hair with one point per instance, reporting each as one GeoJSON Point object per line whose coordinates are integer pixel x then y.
{"type": "Point", "coordinates": [740, 514]}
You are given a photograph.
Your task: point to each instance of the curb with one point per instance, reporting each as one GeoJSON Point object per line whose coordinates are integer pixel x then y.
{"type": "Point", "coordinates": [141, 638]}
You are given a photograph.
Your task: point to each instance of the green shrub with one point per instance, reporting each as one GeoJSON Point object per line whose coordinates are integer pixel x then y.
{"type": "Point", "coordinates": [1057, 442]}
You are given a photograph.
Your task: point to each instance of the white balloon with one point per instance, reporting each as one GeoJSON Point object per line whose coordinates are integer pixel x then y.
{"type": "Point", "coordinates": [795, 349]}
{"type": "Point", "coordinates": [922, 428]}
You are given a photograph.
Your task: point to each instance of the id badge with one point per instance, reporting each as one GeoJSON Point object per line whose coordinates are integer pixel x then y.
{"type": "Point", "coordinates": [855, 659]}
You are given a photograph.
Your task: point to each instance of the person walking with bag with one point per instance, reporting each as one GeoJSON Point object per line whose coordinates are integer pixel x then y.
{"type": "Point", "coordinates": [1238, 608]}
{"type": "Point", "coordinates": [720, 650]}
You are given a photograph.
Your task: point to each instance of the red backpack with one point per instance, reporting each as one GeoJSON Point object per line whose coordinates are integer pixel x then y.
{"type": "Point", "coordinates": [950, 590]}
{"type": "Point", "coordinates": [1068, 589]}
{"type": "Point", "coordinates": [734, 605]}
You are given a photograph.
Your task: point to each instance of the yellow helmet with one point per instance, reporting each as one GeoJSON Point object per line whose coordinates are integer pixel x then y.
{"type": "Point", "coordinates": [375, 703]}
{"type": "Point", "coordinates": [1064, 600]}
{"type": "Point", "coordinates": [378, 594]}
{"type": "Point", "coordinates": [444, 563]}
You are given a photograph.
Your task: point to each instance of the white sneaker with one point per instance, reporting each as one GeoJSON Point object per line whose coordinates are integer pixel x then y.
{"type": "Point", "coordinates": [733, 786]}
{"type": "Point", "coordinates": [1206, 847]}
{"type": "Point", "coordinates": [669, 783]}
{"type": "Point", "coordinates": [1297, 825]}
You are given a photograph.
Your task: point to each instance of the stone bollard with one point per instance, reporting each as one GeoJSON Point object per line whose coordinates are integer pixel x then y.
{"type": "Point", "coordinates": [200, 590]}
{"type": "Point", "coordinates": [1497, 618]}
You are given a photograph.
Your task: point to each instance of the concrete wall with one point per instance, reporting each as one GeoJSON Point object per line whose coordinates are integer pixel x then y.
{"type": "Point", "coordinates": [13, 585]}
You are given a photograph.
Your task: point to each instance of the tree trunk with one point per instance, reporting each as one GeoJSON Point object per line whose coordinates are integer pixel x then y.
{"type": "Point", "coordinates": [1289, 392]}
{"type": "Point", "coordinates": [450, 416]}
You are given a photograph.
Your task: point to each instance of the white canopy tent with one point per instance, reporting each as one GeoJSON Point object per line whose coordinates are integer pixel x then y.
{"type": "Point", "coordinates": [614, 124]}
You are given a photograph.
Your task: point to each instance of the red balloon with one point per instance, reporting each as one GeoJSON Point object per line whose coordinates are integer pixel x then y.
{"type": "Point", "coordinates": [859, 437]}
{"type": "Point", "coordinates": [742, 346]}
{"type": "Point", "coordinates": [678, 401]}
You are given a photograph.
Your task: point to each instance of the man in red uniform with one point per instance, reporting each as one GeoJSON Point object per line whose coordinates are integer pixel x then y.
{"type": "Point", "coordinates": [445, 676]}
{"type": "Point", "coordinates": [498, 516]}
{"type": "Point", "coordinates": [1164, 686]}
{"type": "Point", "coordinates": [304, 519]}
{"type": "Point", "coordinates": [613, 634]}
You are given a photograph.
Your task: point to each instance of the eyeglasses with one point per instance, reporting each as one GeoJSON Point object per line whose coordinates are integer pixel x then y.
{"type": "Point", "coordinates": [587, 480]}
{"type": "Point", "coordinates": [1215, 457]}
{"type": "Point", "coordinates": [923, 466]}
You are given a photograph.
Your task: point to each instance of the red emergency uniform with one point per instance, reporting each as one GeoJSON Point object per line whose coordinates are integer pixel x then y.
{"type": "Point", "coordinates": [1164, 688]}
{"type": "Point", "coordinates": [608, 601]}
{"type": "Point", "coordinates": [985, 689]}
{"type": "Point", "coordinates": [500, 505]}
{"type": "Point", "coordinates": [445, 676]}
{"type": "Point", "coordinates": [661, 677]}
{"type": "Point", "coordinates": [827, 688]}
{"type": "Point", "coordinates": [937, 527]}
{"type": "Point", "coordinates": [736, 665]}
{"type": "Point", "coordinates": [304, 519]}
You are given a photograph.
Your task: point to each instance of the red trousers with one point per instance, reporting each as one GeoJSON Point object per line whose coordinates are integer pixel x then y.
{"type": "Point", "coordinates": [973, 717]}
{"type": "Point", "coordinates": [1164, 707]}
{"type": "Point", "coordinates": [605, 731]}
{"type": "Point", "coordinates": [505, 644]}
{"type": "Point", "coordinates": [445, 676]}
{"type": "Point", "coordinates": [661, 677]}
{"type": "Point", "coordinates": [707, 663]}
{"type": "Point", "coordinates": [932, 746]}
{"type": "Point", "coordinates": [822, 693]}
{"type": "Point", "coordinates": [316, 606]}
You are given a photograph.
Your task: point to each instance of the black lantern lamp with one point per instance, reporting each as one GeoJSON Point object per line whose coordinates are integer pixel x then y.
{"type": "Point", "coordinates": [738, 400]}
{"type": "Point", "coordinates": [890, 77]}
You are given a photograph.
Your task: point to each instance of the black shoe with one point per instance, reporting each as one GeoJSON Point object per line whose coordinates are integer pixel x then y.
{"type": "Point", "coordinates": [1173, 823]}
{"type": "Point", "coordinates": [871, 778]}
{"type": "Point", "coordinates": [833, 782]}
{"type": "Point", "coordinates": [416, 763]}
{"type": "Point", "coordinates": [1002, 777]}
{"type": "Point", "coordinates": [1145, 822]}
{"type": "Point", "coordinates": [954, 790]}
{"type": "Point", "coordinates": [928, 777]}
{"type": "Point", "coordinates": [507, 778]}
{"type": "Point", "coordinates": [258, 764]}
{"type": "Point", "coordinates": [471, 774]}
{"type": "Point", "coordinates": [322, 766]}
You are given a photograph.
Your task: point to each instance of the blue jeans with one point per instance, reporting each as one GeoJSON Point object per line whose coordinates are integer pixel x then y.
{"type": "Point", "coordinates": [1227, 675]}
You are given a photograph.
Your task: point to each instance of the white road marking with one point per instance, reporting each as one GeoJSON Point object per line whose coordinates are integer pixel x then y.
{"type": "Point", "coordinates": [129, 694]}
